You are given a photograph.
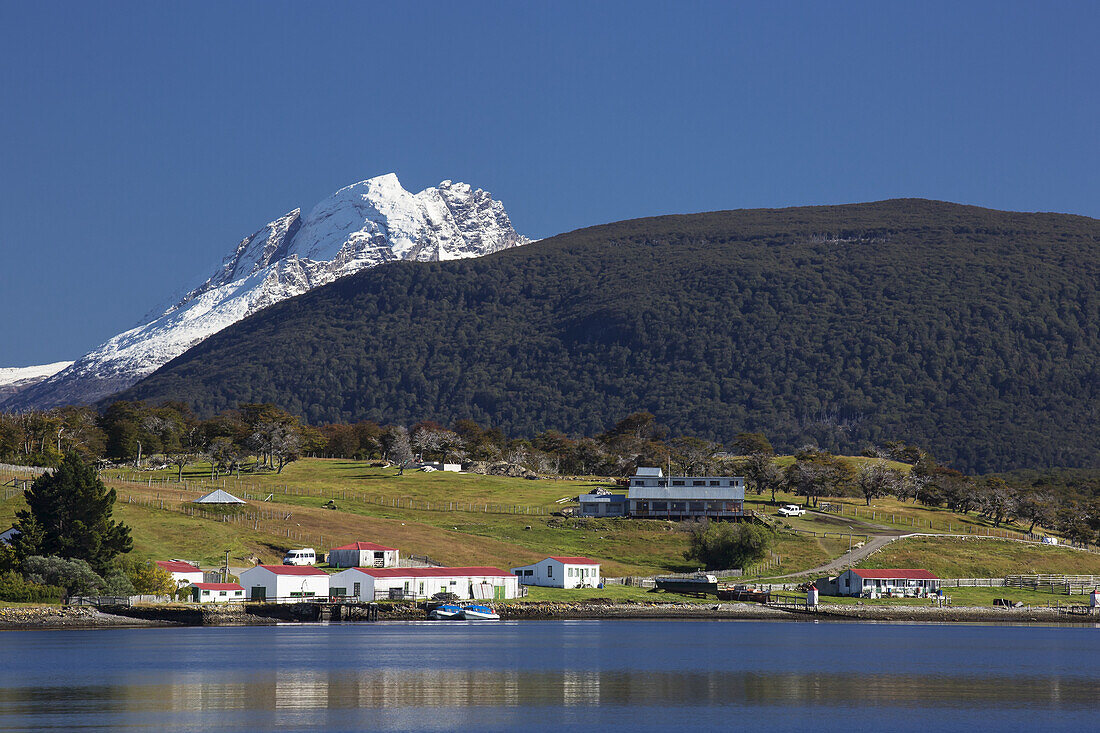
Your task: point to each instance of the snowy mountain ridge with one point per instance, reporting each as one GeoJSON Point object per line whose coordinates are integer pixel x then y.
{"type": "Point", "coordinates": [360, 226]}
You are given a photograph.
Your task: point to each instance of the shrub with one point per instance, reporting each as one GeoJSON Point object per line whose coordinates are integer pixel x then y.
{"type": "Point", "coordinates": [76, 577]}
{"type": "Point", "coordinates": [722, 545]}
{"type": "Point", "coordinates": [17, 589]}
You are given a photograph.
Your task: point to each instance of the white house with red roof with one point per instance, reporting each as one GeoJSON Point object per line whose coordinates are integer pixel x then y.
{"type": "Point", "coordinates": [363, 555]}
{"type": "Point", "coordinates": [368, 584]}
{"type": "Point", "coordinates": [217, 593]}
{"type": "Point", "coordinates": [892, 581]}
{"type": "Point", "coordinates": [184, 573]}
{"type": "Point", "coordinates": [560, 572]}
{"type": "Point", "coordinates": [284, 583]}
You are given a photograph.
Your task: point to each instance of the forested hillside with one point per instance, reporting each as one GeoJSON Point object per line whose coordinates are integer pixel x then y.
{"type": "Point", "coordinates": [971, 332]}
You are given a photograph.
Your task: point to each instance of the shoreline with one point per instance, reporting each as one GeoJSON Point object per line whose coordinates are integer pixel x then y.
{"type": "Point", "coordinates": [151, 616]}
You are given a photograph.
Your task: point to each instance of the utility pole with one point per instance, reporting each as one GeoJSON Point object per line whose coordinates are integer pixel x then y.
{"type": "Point", "coordinates": [225, 570]}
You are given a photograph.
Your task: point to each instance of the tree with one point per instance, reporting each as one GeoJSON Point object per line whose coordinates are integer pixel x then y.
{"type": "Point", "coordinates": [68, 514]}
{"type": "Point", "coordinates": [724, 545]}
{"type": "Point", "coordinates": [761, 473]}
{"type": "Point", "coordinates": [148, 577]}
{"type": "Point", "coordinates": [875, 479]}
{"type": "Point", "coordinates": [692, 454]}
{"type": "Point", "coordinates": [395, 445]}
{"type": "Point", "coordinates": [748, 443]}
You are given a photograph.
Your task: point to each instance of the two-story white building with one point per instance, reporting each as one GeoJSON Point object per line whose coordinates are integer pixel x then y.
{"type": "Point", "coordinates": [560, 572]}
{"type": "Point", "coordinates": [652, 495]}
{"type": "Point", "coordinates": [285, 583]}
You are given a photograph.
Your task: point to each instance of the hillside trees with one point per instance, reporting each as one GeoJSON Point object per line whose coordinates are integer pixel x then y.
{"type": "Point", "coordinates": [726, 545]}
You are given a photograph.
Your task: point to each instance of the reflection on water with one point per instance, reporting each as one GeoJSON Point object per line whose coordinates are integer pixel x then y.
{"type": "Point", "coordinates": [310, 690]}
{"type": "Point", "coordinates": [612, 675]}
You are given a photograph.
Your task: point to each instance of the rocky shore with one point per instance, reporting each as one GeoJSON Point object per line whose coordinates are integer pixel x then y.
{"type": "Point", "coordinates": [46, 617]}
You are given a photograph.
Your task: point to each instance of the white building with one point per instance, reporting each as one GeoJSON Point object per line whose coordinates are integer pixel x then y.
{"type": "Point", "coordinates": [656, 496]}
{"type": "Point", "coordinates": [362, 555]}
{"type": "Point", "coordinates": [369, 584]}
{"type": "Point", "coordinates": [284, 583]}
{"type": "Point", "coordinates": [184, 573]}
{"type": "Point", "coordinates": [560, 572]}
{"type": "Point", "coordinates": [874, 583]}
{"type": "Point", "coordinates": [602, 505]}
{"type": "Point", "coordinates": [217, 593]}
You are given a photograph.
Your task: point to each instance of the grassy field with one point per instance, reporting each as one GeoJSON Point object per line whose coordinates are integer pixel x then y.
{"type": "Point", "coordinates": [950, 557]}
{"type": "Point", "coordinates": [442, 515]}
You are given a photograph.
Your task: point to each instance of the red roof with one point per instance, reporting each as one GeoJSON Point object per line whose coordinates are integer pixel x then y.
{"type": "Point", "coordinates": [432, 572]}
{"type": "Point", "coordinates": [293, 569]}
{"type": "Point", "coordinates": [574, 560]}
{"type": "Point", "coordinates": [217, 586]}
{"type": "Point", "coordinates": [365, 546]}
{"type": "Point", "coordinates": [891, 574]}
{"type": "Point", "coordinates": [178, 566]}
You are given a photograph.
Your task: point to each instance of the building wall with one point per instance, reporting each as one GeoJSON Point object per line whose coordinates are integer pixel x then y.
{"type": "Point", "coordinates": [465, 587]}
{"type": "Point", "coordinates": [361, 558]}
{"type": "Point", "coordinates": [187, 578]}
{"type": "Point", "coordinates": [283, 587]}
{"type": "Point", "coordinates": [550, 573]}
{"type": "Point", "coordinates": [214, 596]}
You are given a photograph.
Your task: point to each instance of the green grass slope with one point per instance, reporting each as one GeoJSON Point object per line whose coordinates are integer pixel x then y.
{"type": "Point", "coordinates": [969, 331]}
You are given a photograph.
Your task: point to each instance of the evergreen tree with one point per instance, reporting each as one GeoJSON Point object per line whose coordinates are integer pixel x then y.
{"type": "Point", "coordinates": [69, 515]}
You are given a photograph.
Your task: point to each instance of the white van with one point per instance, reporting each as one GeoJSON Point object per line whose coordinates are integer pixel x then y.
{"type": "Point", "coordinates": [304, 556]}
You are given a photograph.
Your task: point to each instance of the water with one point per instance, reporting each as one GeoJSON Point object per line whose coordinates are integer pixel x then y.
{"type": "Point", "coordinates": [554, 675]}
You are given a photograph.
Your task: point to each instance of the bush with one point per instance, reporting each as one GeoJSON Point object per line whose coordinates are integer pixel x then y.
{"type": "Point", "coordinates": [148, 577]}
{"type": "Point", "coordinates": [17, 589]}
{"type": "Point", "coordinates": [76, 577]}
{"type": "Point", "coordinates": [722, 545]}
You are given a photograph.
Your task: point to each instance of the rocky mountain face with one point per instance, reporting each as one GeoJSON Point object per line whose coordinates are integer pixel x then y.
{"type": "Point", "coordinates": [361, 226]}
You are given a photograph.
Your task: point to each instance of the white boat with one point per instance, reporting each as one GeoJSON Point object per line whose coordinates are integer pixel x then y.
{"type": "Point", "coordinates": [479, 613]}
{"type": "Point", "coordinates": [445, 612]}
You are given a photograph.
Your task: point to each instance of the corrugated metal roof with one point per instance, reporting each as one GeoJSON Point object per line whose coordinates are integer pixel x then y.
{"type": "Point", "coordinates": [649, 472]}
{"type": "Point", "coordinates": [178, 566]}
{"type": "Point", "coordinates": [894, 574]}
{"type": "Point", "coordinates": [365, 546]}
{"type": "Point", "coordinates": [293, 569]}
{"type": "Point", "coordinates": [217, 586]}
{"type": "Point", "coordinates": [432, 572]}
{"type": "Point", "coordinates": [687, 493]}
{"type": "Point", "coordinates": [219, 497]}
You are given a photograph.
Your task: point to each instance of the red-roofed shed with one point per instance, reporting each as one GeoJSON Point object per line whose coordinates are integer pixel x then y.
{"type": "Point", "coordinates": [363, 555]}
{"type": "Point", "coordinates": [560, 571]}
{"type": "Point", "coordinates": [217, 593]}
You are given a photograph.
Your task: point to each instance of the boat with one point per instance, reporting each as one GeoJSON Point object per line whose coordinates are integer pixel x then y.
{"type": "Point", "coordinates": [445, 612]}
{"type": "Point", "coordinates": [479, 613]}
{"type": "Point", "coordinates": [699, 583]}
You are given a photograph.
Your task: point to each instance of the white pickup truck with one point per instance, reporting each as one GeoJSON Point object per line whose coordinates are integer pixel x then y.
{"type": "Point", "coordinates": [791, 510]}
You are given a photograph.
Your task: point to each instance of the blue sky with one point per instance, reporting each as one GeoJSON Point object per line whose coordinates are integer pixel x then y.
{"type": "Point", "coordinates": [141, 141]}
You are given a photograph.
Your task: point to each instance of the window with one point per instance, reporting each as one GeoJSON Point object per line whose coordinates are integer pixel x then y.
{"type": "Point", "coordinates": [355, 589]}
{"type": "Point", "coordinates": [528, 573]}
{"type": "Point", "coordinates": [206, 592]}
{"type": "Point", "coordinates": [698, 482]}
{"type": "Point", "coordinates": [678, 506]}
{"type": "Point", "coordinates": [660, 506]}
{"type": "Point", "coordinates": [696, 506]}
{"type": "Point", "coordinates": [238, 592]}
{"type": "Point", "coordinates": [715, 483]}
{"type": "Point", "coordinates": [455, 582]}
{"type": "Point", "coordinates": [677, 483]}
{"type": "Point", "coordinates": [549, 571]}
{"type": "Point", "coordinates": [221, 593]}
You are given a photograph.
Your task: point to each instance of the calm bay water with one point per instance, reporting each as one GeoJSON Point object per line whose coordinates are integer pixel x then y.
{"type": "Point", "coordinates": [554, 675]}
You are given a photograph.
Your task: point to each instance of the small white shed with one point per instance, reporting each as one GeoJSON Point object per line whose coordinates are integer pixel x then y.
{"type": "Point", "coordinates": [284, 583]}
{"type": "Point", "coordinates": [362, 555]}
{"type": "Point", "coordinates": [217, 593]}
{"type": "Point", "coordinates": [184, 573]}
{"type": "Point", "coordinates": [560, 572]}
{"type": "Point", "coordinates": [219, 496]}
{"type": "Point", "coordinates": [368, 584]}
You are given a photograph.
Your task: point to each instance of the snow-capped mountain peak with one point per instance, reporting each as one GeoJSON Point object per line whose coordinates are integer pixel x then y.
{"type": "Point", "coordinates": [360, 226]}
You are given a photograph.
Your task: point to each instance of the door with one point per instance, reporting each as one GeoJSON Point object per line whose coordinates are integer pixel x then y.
{"type": "Point", "coordinates": [498, 592]}
{"type": "Point", "coordinates": [356, 589]}
{"type": "Point", "coordinates": [259, 593]}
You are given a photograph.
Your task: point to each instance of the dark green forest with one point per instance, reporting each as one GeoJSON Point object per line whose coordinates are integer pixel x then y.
{"type": "Point", "coordinates": [972, 333]}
